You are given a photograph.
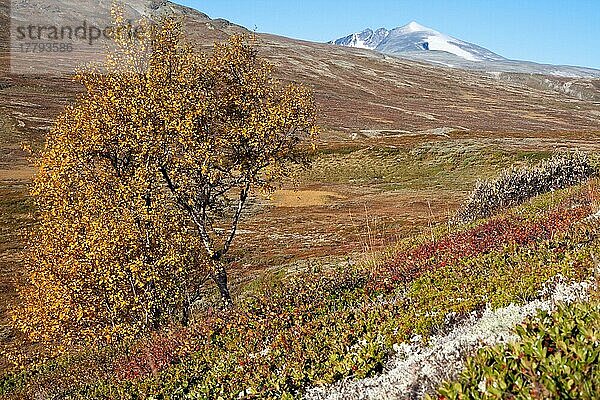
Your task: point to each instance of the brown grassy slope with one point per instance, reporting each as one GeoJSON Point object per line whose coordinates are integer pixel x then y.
{"type": "Point", "coordinates": [361, 90]}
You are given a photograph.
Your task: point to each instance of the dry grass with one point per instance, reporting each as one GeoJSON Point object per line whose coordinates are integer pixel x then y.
{"type": "Point", "coordinates": [14, 220]}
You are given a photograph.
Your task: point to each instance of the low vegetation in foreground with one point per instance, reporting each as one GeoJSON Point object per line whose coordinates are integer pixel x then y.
{"type": "Point", "coordinates": [557, 355]}
{"type": "Point", "coordinates": [293, 331]}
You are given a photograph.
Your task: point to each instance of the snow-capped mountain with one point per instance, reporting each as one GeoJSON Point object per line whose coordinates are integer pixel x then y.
{"type": "Point", "coordinates": [414, 37]}
{"type": "Point", "coordinates": [417, 42]}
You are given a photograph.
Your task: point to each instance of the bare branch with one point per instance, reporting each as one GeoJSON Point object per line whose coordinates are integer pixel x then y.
{"type": "Point", "coordinates": [199, 222]}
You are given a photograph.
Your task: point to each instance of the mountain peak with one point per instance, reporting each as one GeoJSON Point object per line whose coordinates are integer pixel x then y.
{"type": "Point", "coordinates": [367, 39]}
{"type": "Point", "coordinates": [414, 26]}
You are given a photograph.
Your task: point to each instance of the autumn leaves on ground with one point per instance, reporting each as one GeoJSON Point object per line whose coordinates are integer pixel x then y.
{"type": "Point", "coordinates": [190, 235]}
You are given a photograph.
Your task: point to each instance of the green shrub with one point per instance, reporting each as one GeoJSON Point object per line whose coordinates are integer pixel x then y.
{"type": "Point", "coordinates": [557, 356]}
{"type": "Point", "coordinates": [317, 329]}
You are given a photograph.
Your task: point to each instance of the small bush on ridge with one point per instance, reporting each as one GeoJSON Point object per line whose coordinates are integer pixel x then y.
{"type": "Point", "coordinates": [515, 185]}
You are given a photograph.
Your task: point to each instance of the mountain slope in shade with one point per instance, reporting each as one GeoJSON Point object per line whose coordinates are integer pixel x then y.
{"type": "Point", "coordinates": [367, 39]}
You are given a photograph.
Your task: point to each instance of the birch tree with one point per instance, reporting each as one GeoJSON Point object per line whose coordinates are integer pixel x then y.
{"type": "Point", "coordinates": [144, 179]}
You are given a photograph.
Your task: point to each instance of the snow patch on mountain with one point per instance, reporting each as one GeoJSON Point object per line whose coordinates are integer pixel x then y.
{"type": "Point", "coordinates": [414, 26]}
{"type": "Point", "coordinates": [442, 44]}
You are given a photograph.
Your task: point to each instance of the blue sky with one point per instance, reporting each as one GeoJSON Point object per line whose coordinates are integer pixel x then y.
{"type": "Point", "coordinates": [547, 31]}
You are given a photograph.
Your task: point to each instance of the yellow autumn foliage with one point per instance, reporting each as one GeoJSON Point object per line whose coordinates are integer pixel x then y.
{"type": "Point", "coordinates": [143, 180]}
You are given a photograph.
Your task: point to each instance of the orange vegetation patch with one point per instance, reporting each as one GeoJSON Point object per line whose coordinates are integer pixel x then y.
{"type": "Point", "coordinates": [303, 198]}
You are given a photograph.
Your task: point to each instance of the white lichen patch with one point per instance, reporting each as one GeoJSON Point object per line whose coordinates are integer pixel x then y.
{"type": "Point", "coordinates": [414, 370]}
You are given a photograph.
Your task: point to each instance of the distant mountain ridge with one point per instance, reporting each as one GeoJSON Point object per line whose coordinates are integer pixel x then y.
{"type": "Point", "coordinates": [417, 42]}
{"type": "Point", "coordinates": [367, 39]}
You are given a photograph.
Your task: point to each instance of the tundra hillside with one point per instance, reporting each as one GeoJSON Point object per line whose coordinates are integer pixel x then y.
{"type": "Point", "coordinates": [178, 237]}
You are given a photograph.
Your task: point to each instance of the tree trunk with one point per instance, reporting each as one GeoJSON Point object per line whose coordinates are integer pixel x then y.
{"type": "Point", "coordinates": [185, 314]}
{"type": "Point", "coordinates": [219, 276]}
{"type": "Point", "coordinates": [156, 314]}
